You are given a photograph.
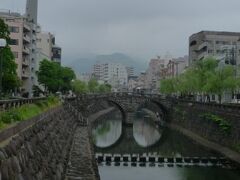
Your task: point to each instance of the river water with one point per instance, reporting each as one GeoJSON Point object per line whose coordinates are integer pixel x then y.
{"type": "Point", "coordinates": [145, 138]}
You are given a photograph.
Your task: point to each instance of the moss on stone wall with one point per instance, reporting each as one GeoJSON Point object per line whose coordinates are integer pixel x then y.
{"type": "Point", "coordinates": [223, 124]}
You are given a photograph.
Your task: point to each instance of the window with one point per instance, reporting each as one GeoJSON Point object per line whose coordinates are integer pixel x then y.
{"type": "Point", "coordinates": [13, 42]}
{"type": "Point", "coordinates": [193, 43]}
{"type": "Point", "coordinates": [14, 29]}
{"type": "Point", "coordinates": [15, 54]}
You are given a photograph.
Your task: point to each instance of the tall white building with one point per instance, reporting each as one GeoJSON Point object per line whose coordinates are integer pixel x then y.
{"type": "Point", "coordinates": [114, 74]}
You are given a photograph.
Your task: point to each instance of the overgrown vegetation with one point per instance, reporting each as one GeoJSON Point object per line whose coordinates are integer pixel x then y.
{"type": "Point", "coordinates": [27, 111]}
{"type": "Point", "coordinates": [224, 125]}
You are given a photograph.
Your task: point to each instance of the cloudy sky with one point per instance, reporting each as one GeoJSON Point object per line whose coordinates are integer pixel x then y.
{"type": "Point", "coordinates": [140, 28]}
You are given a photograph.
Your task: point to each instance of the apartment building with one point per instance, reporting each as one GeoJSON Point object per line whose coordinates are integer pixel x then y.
{"type": "Point", "coordinates": [23, 46]}
{"type": "Point", "coordinates": [153, 73]}
{"type": "Point", "coordinates": [114, 74]}
{"type": "Point", "coordinates": [29, 45]}
{"type": "Point", "coordinates": [130, 71]}
{"type": "Point", "coordinates": [174, 68]}
{"type": "Point", "coordinates": [46, 44]}
{"type": "Point", "coordinates": [224, 46]}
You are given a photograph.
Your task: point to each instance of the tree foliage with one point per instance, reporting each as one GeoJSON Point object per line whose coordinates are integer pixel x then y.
{"type": "Point", "coordinates": [10, 80]}
{"type": "Point", "coordinates": [91, 87]}
{"type": "Point", "coordinates": [79, 86]}
{"type": "Point", "coordinates": [54, 77]}
{"type": "Point", "coordinates": [204, 77]}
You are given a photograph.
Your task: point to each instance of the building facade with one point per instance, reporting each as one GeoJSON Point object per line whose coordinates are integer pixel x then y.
{"type": "Point", "coordinates": [29, 45]}
{"type": "Point", "coordinates": [23, 46]}
{"type": "Point", "coordinates": [114, 74]}
{"type": "Point", "coordinates": [174, 67]}
{"type": "Point", "coordinates": [46, 43]}
{"type": "Point", "coordinates": [221, 45]}
{"type": "Point", "coordinates": [153, 75]}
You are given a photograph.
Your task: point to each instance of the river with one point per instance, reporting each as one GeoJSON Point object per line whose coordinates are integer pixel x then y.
{"type": "Point", "coordinates": [145, 138]}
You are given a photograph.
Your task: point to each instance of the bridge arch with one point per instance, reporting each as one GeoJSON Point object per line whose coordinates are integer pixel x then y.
{"type": "Point", "coordinates": [155, 106]}
{"type": "Point", "coordinates": [122, 110]}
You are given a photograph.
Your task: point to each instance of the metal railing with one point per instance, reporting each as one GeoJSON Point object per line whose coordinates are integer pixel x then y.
{"type": "Point", "coordinates": [13, 103]}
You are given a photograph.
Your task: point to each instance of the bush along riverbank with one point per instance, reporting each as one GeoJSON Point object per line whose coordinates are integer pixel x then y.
{"type": "Point", "coordinates": [27, 111]}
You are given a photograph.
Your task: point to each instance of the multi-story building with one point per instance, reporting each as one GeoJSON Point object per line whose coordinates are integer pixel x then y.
{"type": "Point", "coordinates": [114, 74]}
{"type": "Point", "coordinates": [130, 71]}
{"type": "Point", "coordinates": [56, 53]}
{"type": "Point", "coordinates": [23, 43]}
{"type": "Point", "coordinates": [97, 71]}
{"type": "Point", "coordinates": [29, 45]}
{"type": "Point", "coordinates": [221, 45]}
{"type": "Point", "coordinates": [46, 43]}
{"type": "Point", "coordinates": [153, 74]}
{"type": "Point", "coordinates": [174, 67]}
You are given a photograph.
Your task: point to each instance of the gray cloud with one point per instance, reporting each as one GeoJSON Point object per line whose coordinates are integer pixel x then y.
{"type": "Point", "coordinates": [142, 28]}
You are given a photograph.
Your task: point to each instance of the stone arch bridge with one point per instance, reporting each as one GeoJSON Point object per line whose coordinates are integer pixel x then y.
{"type": "Point", "coordinates": [127, 103]}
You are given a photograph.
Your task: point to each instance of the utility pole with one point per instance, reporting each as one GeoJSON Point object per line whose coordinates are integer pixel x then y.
{"type": "Point", "coordinates": [3, 44]}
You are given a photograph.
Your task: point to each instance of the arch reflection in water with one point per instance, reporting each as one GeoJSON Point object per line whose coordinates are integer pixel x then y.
{"type": "Point", "coordinates": [108, 130]}
{"type": "Point", "coordinates": [146, 133]}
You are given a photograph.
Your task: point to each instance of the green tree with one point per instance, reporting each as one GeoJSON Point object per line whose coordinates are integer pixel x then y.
{"type": "Point", "coordinates": [48, 75]}
{"type": "Point", "coordinates": [54, 77]}
{"type": "Point", "coordinates": [67, 75]}
{"type": "Point", "coordinates": [221, 80]}
{"type": "Point", "coordinates": [168, 86]}
{"type": "Point", "coordinates": [93, 85]}
{"type": "Point", "coordinates": [104, 88]}
{"type": "Point", "coordinates": [79, 86]}
{"type": "Point", "coordinates": [10, 80]}
{"type": "Point", "coordinates": [204, 77]}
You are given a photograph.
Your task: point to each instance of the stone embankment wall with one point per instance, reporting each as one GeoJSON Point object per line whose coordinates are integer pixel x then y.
{"type": "Point", "coordinates": [41, 151]}
{"type": "Point", "coordinates": [217, 123]}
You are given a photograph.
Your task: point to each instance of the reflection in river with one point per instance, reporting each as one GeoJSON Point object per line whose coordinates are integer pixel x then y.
{"type": "Point", "coordinates": [144, 137]}
{"type": "Point", "coordinates": [165, 173]}
{"type": "Point", "coordinates": [106, 133]}
{"type": "Point", "coordinates": [145, 133]}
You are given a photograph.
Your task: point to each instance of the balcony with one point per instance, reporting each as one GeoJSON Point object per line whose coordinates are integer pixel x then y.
{"type": "Point", "coordinates": [34, 37]}
{"type": "Point", "coordinates": [202, 55]}
{"type": "Point", "coordinates": [34, 28]}
{"type": "Point", "coordinates": [26, 50]}
{"type": "Point", "coordinates": [203, 45]}
{"type": "Point", "coordinates": [26, 39]}
{"type": "Point", "coordinates": [26, 28]}
{"type": "Point", "coordinates": [25, 62]}
{"type": "Point", "coordinates": [25, 74]}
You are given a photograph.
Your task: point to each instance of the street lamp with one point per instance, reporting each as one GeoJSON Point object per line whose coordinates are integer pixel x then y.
{"type": "Point", "coordinates": [3, 44]}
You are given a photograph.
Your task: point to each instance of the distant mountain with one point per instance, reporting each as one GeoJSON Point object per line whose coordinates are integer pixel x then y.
{"type": "Point", "coordinates": [84, 64]}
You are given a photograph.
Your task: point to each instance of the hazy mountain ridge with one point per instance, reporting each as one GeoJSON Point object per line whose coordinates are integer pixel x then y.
{"type": "Point", "coordinates": [85, 64]}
